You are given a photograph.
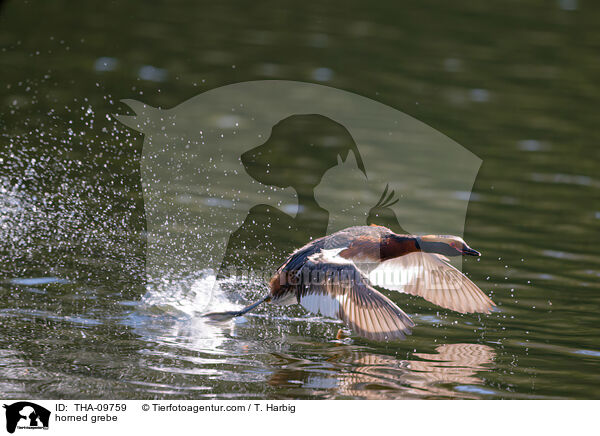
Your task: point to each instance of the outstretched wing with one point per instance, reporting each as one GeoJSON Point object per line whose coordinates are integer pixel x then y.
{"type": "Point", "coordinates": [432, 277]}
{"type": "Point", "coordinates": [332, 286]}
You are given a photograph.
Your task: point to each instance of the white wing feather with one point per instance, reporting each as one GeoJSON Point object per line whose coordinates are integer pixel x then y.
{"type": "Point", "coordinates": [432, 277]}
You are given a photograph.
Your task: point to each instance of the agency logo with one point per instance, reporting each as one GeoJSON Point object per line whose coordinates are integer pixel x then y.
{"type": "Point", "coordinates": [26, 415]}
{"type": "Point", "coordinates": [240, 176]}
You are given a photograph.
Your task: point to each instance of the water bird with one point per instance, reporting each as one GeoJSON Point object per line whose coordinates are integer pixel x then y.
{"type": "Point", "coordinates": [334, 276]}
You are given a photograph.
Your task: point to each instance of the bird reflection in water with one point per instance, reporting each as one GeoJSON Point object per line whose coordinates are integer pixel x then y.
{"type": "Point", "coordinates": [353, 373]}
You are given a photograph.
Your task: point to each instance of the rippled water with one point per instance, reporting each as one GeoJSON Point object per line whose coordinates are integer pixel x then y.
{"type": "Point", "coordinates": [518, 87]}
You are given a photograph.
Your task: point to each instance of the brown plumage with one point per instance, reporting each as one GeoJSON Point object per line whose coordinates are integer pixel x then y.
{"type": "Point", "coordinates": [334, 276]}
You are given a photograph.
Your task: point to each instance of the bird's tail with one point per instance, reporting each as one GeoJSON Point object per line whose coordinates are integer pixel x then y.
{"type": "Point", "coordinates": [224, 316]}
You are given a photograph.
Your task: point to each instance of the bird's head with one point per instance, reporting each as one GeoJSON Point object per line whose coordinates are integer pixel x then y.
{"type": "Point", "coordinates": [448, 245]}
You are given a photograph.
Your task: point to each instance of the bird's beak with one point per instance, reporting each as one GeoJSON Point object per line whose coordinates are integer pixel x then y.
{"type": "Point", "coordinates": [468, 251]}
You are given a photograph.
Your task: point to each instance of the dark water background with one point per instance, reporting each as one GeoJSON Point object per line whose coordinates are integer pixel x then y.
{"type": "Point", "coordinates": [514, 82]}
